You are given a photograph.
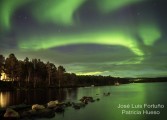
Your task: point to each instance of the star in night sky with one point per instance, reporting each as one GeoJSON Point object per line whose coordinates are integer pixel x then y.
{"type": "Point", "coordinates": [125, 38]}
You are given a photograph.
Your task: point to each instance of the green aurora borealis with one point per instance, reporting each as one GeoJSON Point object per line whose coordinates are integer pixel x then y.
{"type": "Point", "coordinates": [123, 38]}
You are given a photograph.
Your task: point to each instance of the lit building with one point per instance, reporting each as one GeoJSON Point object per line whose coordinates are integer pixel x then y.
{"type": "Point", "coordinates": [4, 76]}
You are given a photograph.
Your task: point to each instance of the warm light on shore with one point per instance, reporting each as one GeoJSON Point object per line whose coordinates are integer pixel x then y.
{"type": "Point", "coordinates": [4, 77]}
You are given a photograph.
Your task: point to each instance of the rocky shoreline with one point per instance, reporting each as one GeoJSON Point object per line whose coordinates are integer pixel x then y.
{"type": "Point", "coordinates": [30, 112]}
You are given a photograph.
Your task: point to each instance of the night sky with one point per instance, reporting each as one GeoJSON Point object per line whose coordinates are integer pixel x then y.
{"type": "Point", "coordinates": [122, 38]}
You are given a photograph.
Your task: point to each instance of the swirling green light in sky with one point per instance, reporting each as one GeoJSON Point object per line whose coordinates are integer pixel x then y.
{"type": "Point", "coordinates": [62, 11]}
{"type": "Point", "coordinates": [7, 8]}
{"type": "Point", "coordinates": [104, 38]}
{"type": "Point", "coordinates": [57, 11]}
{"type": "Point", "coordinates": [149, 33]}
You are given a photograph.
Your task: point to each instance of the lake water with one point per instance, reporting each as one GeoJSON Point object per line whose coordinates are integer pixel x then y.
{"type": "Point", "coordinates": [141, 98]}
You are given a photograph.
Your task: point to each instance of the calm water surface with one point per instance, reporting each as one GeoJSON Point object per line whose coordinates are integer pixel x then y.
{"type": "Point", "coordinates": [105, 109]}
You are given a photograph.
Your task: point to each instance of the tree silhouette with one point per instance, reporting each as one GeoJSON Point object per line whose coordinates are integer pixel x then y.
{"type": "Point", "coordinates": [28, 67]}
{"type": "Point", "coordinates": [10, 66]}
{"type": "Point", "coordinates": [51, 70]}
{"type": "Point", "coordinates": [2, 63]}
{"type": "Point", "coordinates": [34, 61]}
{"type": "Point", "coordinates": [61, 71]}
{"type": "Point", "coordinates": [20, 72]}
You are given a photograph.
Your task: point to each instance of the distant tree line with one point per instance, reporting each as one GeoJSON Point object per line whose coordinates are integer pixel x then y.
{"type": "Point", "coordinates": [35, 73]}
{"type": "Point", "coordinates": [87, 80]}
{"type": "Point", "coordinates": [146, 80]}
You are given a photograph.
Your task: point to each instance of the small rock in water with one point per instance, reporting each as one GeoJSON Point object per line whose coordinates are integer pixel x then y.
{"type": "Point", "coordinates": [86, 99]}
{"type": "Point", "coordinates": [59, 109]}
{"type": "Point", "coordinates": [106, 94]}
{"type": "Point", "coordinates": [78, 105]}
{"type": "Point", "coordinates": [68, 104]}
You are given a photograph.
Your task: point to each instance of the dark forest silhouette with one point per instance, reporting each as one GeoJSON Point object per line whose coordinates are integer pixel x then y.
{"type": "Point", "coordinates": [35, 73]}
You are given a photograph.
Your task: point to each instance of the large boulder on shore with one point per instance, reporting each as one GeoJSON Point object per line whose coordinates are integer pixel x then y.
{"type": "Point", "coordinates": [11, 113]}
{"type": "Point", "coordinates": [52, 104]}
{"type": "Point", "coordinates": [38, 107]}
